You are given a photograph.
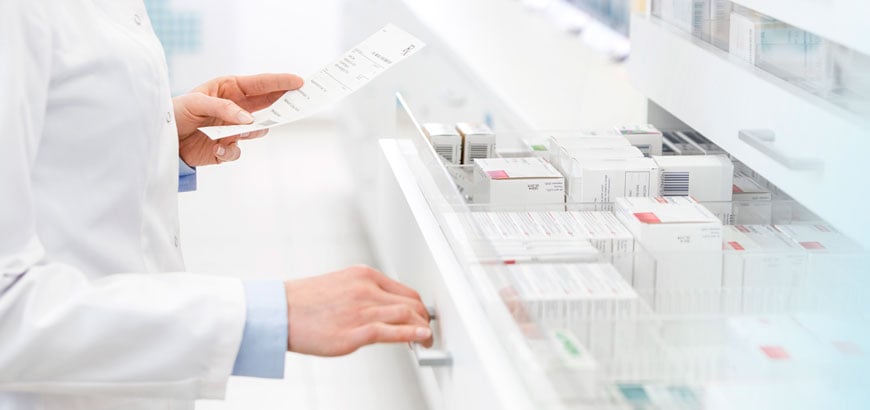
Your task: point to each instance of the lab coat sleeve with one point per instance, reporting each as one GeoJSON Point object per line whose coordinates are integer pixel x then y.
{"type": "Point", "coordinates": [264, 341]}
{"type": "Point", "coordinates": [139, 335]}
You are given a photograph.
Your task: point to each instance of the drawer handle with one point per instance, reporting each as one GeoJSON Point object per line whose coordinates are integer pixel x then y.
{"type": "Point", "coordinates": [763, 141]}
{"type": "Point", "coordinates": [430, 357]}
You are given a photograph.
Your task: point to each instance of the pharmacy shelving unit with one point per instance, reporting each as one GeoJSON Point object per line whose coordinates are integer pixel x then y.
{"type": "Point", "coordinates": [807, 145]}
{"type": "Point", "coordinates": [488, 352]}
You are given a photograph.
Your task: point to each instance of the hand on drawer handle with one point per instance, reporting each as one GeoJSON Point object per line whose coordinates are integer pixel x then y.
{"type": "Point", "coordinates": [429, 357]}
{"type": "Point", "coordinates": [763, 141]}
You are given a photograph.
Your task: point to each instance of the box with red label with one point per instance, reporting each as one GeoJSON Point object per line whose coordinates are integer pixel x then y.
{"type": "Point", "coordinates": [517, 181]}
{"type": "Point", "coordinates": [762, 269]}
{"type": "Point", "coordinates": [779, 346]}
{"type": "Point", "coordinates": [834, 260]}
{"type": "Point", "coordinates": [684, 239]}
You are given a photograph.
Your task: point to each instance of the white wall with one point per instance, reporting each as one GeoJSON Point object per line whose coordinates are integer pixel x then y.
{"type": "Point", "coordinates": [253, 36]}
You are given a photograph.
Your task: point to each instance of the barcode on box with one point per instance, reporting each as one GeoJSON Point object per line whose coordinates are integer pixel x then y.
{"type": "Point", "coordinates": [478, 151]}
{"type": "Point", "coordinates": [675, 183]}
{"type": "Point", "coordinates": [445, 151]}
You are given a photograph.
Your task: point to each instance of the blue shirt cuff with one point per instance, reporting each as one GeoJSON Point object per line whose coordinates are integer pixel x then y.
{"type": "Point", "coordinates": [264, 341]}
{"type": "Point", "coordinates": [186, 177]}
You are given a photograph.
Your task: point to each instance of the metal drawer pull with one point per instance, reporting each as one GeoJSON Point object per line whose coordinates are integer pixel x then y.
{"type": "Point", "coordinates": [763, 141]}
{"type": "Point", "coordinates": [429, 357]}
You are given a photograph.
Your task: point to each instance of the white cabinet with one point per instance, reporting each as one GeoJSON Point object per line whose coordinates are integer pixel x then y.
{"type": "Point", "coordinates": [817, 148]}
{"type": "Point", "coordinates": [484, 63]}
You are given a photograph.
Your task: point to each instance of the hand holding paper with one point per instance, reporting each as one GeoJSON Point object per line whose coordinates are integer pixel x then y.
{"type": "Point", "coordinates": [352, 71]}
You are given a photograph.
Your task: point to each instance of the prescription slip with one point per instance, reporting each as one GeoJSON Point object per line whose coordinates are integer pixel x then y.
{"type": "Point", "coordinates": [683, 238]}
{"type": "Point", "coordinates": [517, 181]}
{"type": "Point", "coordinates": [353, 70]}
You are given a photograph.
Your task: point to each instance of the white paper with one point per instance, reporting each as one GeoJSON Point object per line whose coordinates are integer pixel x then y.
{"type": "Point", "coordinates": [356, 68]}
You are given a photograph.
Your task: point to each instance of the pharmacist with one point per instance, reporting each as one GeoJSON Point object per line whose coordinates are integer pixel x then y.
{"type": "Point", "coordinates": [95, 309]}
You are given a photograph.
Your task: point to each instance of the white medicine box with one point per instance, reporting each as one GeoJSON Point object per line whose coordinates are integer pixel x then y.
{"type": "Point", "coordinates": [645, 137]}
{"type": "Point", "coordinates": [517, 181]}
{"type": "Point", "coordinates": [683, 239]}
{"type": "Point", "coordinates": [478, 141]}
{"type": "Point", "coordinates": [445, 140]}
{"type": "Point", "coordinates": [707, 178]}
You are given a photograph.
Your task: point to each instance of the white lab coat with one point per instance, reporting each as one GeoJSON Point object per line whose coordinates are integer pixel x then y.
{"type": "Point", "coordinates": [91, 316]}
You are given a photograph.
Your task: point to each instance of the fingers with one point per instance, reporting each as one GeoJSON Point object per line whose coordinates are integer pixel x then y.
{"type": "Point", "coordinates": [388, 284]}
{"type": "Point", "coordinates": [384, 333]}
{"type": "Point", "coordinates": [268, 83]}
{"type": "Point", "coordinates": [397, 288]}
{"type": "Point", "coordinates": [253, 135]}
{"type": "Point", "coordinates": [394, 315]}
{"type": "Point", "coordinates": [259, 102]}
{"type": "Point", "coordinates": [227, 152]}
{"type": "Point", "coordinates": [204, 106]}
{"type": "Point", "coordinates": [399, 315]}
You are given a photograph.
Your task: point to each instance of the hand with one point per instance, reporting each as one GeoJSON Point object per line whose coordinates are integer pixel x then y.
{"type": "Point", "coordinates": [337, 313]}
{"type": "Point", "coordinates": [225, 101]}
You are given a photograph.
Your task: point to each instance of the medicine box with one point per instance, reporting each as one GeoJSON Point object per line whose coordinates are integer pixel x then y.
{"type": "Point", "coordinates": [566, 293]}
{"type": "Point", "coordinates": [445, 140]}
{"type": "Point", "coordinates": [610, 237]}
{"type": "Point", "coordinates": [703, 177]}
{"type": "Point", "coordinates": [683, 238]}
{"type": "Point", "coordinates": [478, 141]}
{"type": "Point", "coordinates": [833, 260]}
{"type": "Point", "coordinates": [841, 334]}
{"type": "Point", "coordinates": [762, 269]}
{"type": "Point", "coordinates": [779, 346]}
{"type": "Point", "coordinates": [537, 147]}
{"type": "Point", "coordinates": [645, 137]}
{"type": "Point", "coordinates": [575, 372]}
{"type": "Point", "coordinates": [752, 202]}
{"type": "Point", "coordinates": [707, 178]}
{"type": "Point", "coordinates": [517, 181]}
{"type": "Point", "coordinates": [535, 236]}
{"type": "Point", "coordinates": [602, 181]}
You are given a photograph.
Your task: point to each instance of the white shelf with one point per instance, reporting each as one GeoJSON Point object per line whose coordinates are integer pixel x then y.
{"type": "Point", "coordinates": [720, 96]}
{"type": "Point", "coordinates": [842, 21]}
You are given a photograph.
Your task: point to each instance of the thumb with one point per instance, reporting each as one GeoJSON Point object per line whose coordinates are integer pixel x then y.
{"type": "Point", "coordinates": [202, 105]}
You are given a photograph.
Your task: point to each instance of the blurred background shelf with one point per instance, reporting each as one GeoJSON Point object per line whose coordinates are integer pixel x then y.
{"type": "Point", "coordinates": [842, 21]}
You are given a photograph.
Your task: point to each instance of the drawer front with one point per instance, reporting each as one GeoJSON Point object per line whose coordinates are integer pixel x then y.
{"type": "Point", "coordinates": [413, 249]}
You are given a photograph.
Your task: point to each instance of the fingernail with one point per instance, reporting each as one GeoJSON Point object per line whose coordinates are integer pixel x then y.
{"type": "Point", "coordinates": [245, 135]}
{"type": "Point", "coordinates": [245, 117]}
{"type": "Point", "coordinates": [423, 333]}
{"type": "Point", "coordinates": [220, 151]}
